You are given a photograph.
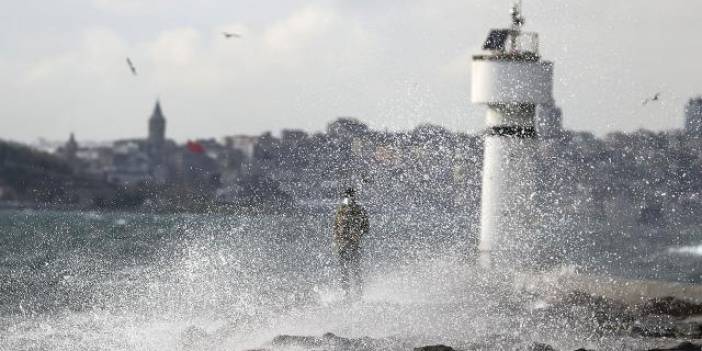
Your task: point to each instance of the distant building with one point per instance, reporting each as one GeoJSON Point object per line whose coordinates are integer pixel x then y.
{"type": "Point", "coordinates": [141, 160]}
{"type": "Point", "coordinates": [347, 128]}
{"type": "Point", "coordinates": [156, 144]}
{"type": "Point", "coordinates": [549, 121]}
{"type": "Point", "coordinates": [292, 136]}
{"type": "Point", "coordinates": [69, 151]}
{"type": "Point", "coordinates": [157, 127]}
{"type": "Point", "coordinates": [244, 143]}
{"type": "Point", "coordinates": [693, 117]}
{"type": "Point", "coordinates": [130, 162]}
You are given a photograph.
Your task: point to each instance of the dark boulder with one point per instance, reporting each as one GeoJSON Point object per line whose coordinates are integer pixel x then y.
{"type": "Point", "coordinates": [670, 306]}
{"type": "Point", "coordinates": [595, 303]}
{"type": "Point", "coordinates": [653, 327]}
{"type": "Point", "coordinates": [537, 346]}
{"type": "Point", "coordinates": [688, 330]}
{"type": "Point", "coordinates": [588, 311]}
{"type": "Point", "coordinates": [297, 341]}
{"type": "Point", "coordinates": [686, 346]}
{"type": "Point", "coordinates": [192, 336]}
{"type": "Point", "coordinates": [330, 341]}
{"type": "Point", "coordinates": [434, 348]}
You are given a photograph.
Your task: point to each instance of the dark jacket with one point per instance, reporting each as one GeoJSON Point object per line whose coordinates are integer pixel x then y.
{"type": "Point", "coordinates": [350, 225]}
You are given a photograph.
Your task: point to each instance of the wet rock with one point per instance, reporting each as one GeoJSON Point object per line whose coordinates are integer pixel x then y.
{"type": "Point", "coordinates": [670, 306]}
{"type": "Point", "coordinates": [653, 327]}
{"type": "Point", "coordinates": [597, 304]}
{"type": "Point", "coordinates": [686, 346]}
{"type": "Point", "coordinates": [666, 327]}
{"type": "Point", "coordinates": [510, 344]}
{"type": "Point", "coordinates": [434, 348]}
{"type": "Point", "coordinates": [297, 341]}
{"type": "Point", "coordinates": [590, 312]}
{"type": "Point", "coordinates": [192, 336]}
{"type": "Point", "coordinates": [536, 346]}
{"type": "Point", "coordinates": [688, 330]}
{"type": "Point", "coordinates": [496, 342]}
{"type": "Point", "coordinates": [330, 341]}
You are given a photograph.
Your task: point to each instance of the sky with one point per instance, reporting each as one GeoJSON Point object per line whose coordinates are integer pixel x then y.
{"type": "Point", "coordinates": [302, 63]}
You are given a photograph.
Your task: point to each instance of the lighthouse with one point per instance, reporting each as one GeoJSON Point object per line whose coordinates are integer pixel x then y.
{"type": "Point", "coordinates": [511, 80]}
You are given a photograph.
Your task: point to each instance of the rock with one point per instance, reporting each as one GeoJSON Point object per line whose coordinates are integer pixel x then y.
{"type": "Point", "coordinates": [434, 348]}
{"type": "Point", "coordinates": [688, 330]}
{"type": "Point", "coordinates": [653, 327]}
{"type": "Point", "coordinates": [666, 327]}
{"type": "Point", "coordinates": [686, 346]}
{"type": "Point", "coordinates": [328, 341]}
{"type": "Point", "coordinates": [297, 341]}
{"type": "Point", "coordinates": [536, 346]}
{"type": "Point", "coordinates": [670, 306]}
{"type": "Point", "coordinates": [601, 314]}
{"type": "Point", "coordinates": [496, 342]}
{"type": "Point", "coordinates": [653, 332]}
{"type": "Point", "coordinates": [192, 336]}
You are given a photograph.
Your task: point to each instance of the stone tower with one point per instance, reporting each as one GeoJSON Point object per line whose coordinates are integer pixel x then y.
{"type": "Point", "coordinates": [157, 127]}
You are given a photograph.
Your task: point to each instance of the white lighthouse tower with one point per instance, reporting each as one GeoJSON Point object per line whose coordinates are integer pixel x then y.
{"type": "Point", "coordinates": [510, 78]}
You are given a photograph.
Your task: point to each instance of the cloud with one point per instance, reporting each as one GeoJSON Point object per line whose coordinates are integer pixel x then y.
{"type": "Point", "coordinates": [276, 76]}
{"type": "Point", "coordinates": [97, 56]}
{"type": "Point", "coordinates": [128, 7]}
{"type": "Point", "coordinates": [305, 25]}
{"type": "Point", "coordinates": [393, 64]}
{"type": "Point", "coordinates": [178, 47]}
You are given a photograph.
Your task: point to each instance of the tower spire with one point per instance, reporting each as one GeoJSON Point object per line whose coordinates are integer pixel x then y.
{"type": "Point", "coordinates": [157, 126]}
{"type": "Point", "coordinates": [158, 114]}
{"type": "Point", "coordinates": [518, 19]}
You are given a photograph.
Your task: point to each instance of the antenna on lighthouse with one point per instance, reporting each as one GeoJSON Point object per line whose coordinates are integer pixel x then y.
{"type": "Point", "coordinates": [517, 18]}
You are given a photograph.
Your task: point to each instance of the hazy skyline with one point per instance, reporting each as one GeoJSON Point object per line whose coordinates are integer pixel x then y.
{"type": "Point", "coordinates": [300, 64]}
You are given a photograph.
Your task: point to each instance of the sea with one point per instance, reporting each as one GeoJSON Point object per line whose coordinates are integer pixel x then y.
{"type": "Point", "coordinates": [135, 281]}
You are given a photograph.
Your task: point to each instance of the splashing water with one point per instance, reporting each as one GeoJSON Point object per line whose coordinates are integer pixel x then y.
{"type": "Point", "coordinates": [75, 281]}
{"type": "Point", "coordinates": [687, 250]}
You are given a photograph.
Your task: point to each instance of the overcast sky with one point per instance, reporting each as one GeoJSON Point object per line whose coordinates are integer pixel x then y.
{"type": "Point", "coordinates": [300, 64]}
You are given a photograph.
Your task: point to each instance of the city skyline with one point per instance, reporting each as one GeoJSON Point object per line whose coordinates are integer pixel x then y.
{"type": "Point", "coordinates": [300, 66]}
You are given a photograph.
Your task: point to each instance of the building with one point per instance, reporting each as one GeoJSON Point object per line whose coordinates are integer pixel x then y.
{"type": "Point", "coordinates": [70, 152]}
{"type": "Point", "coordinates": [549, 121]}
{"type": "Point", "coordinates": [244, 143]}
{"type": "Point", "coordinates": [693, 117]}
{"type": "Point", "coordinates": [144, 160]}
{"type": "Point", "coordinates": [157, 127]}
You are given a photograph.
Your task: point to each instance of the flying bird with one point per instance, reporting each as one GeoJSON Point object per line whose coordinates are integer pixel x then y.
{"type": "Point", "coordinates": [229, 35]}
{"type": "Point", "coordinates": [131, 66]}
{"type": "Point", "coordinates": [656, 97]}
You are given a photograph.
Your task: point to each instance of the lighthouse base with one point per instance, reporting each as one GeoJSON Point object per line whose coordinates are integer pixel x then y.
{"type": "Point", "coordinates": [509, 232]}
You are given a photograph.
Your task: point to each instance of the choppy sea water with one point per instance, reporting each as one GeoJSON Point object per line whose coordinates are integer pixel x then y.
{"type": "Point", "coordinates": [93, 281]}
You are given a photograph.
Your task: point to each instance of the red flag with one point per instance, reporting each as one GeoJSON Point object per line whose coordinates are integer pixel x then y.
{"type": "Point", "coordinates": [195, 147]}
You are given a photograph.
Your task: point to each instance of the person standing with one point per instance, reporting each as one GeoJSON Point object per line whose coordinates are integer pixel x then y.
{"type": "Point", "coordinates": [350, 225]}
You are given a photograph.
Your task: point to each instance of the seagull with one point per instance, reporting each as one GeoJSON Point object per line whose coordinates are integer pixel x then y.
{"type": "Point", "coordinates": [229, 35]}
{"type": "Point", "coordinates": [131, 66]}
{"type": "Point", "coordinates": [655, 98]}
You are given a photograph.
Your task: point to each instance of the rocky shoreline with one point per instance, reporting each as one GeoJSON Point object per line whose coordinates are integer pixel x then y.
{"type": "Point", "coordinates": [659, 324]}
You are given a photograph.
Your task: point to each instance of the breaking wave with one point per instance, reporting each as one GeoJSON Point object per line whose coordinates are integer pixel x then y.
{"type": "Point", "coordinates": [687, 250]}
